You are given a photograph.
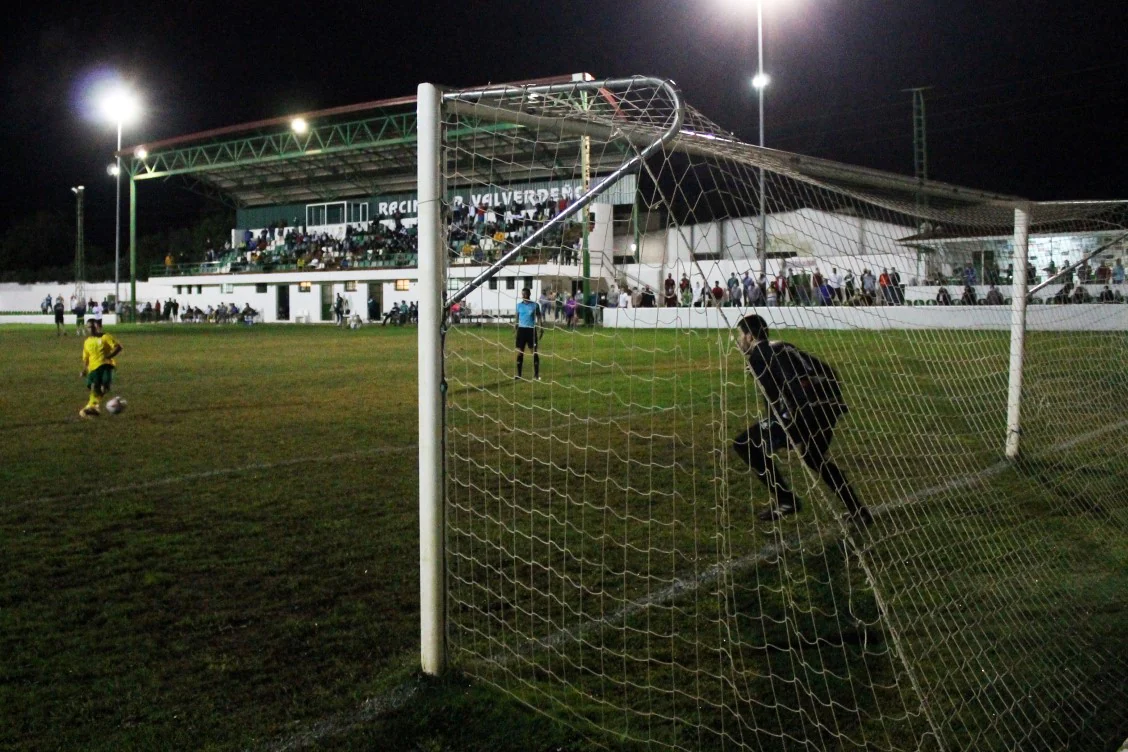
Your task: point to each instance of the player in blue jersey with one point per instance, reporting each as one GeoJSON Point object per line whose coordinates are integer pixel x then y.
{"type": "Point", "coordinates": [528, 316]}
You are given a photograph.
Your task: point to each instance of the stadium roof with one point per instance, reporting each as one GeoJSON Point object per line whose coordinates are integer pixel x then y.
{"type": "Point", "coordinates": [359, 150]}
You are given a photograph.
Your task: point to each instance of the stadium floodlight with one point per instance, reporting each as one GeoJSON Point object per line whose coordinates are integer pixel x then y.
{"type": "Point", "coordinates": [760, 80]}
{"type": "Point", "coordinates": [112, 169]}
{"type": "Point", "coordinates": [299, 125]}
{"type": "Point", "coordinates": [140, 152]}
{"type": "Point", "coordinates": [121, 106]}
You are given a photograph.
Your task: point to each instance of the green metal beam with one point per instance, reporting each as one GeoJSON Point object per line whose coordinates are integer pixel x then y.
{"type": "Point", "coordinates": [371, 133]}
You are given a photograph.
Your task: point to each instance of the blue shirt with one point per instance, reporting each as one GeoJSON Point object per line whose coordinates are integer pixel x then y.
{"type": "Point", "coordinates": [526, 314]}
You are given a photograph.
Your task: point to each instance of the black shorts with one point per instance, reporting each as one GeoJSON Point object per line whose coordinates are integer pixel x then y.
{"type": "Point", "coordinates": [526, 337]}
{"type": "Point", "coordinates": [59, 318]}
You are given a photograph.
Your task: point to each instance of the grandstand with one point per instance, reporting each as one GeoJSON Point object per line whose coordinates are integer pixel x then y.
{"type": "Point", "coordinates": [332, 211]}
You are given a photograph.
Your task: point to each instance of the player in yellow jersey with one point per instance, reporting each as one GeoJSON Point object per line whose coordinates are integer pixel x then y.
{"type": "Point", "coordinates": [98, 353]}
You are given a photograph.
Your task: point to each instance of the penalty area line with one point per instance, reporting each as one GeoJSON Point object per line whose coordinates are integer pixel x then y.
{"type": "Point", "coordinates": [205, 474]}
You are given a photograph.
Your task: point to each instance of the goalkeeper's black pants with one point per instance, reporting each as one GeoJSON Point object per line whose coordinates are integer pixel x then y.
{"type": "Point", "coordinates": [757, 447]}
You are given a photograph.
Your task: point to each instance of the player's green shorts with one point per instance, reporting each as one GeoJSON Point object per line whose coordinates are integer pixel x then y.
{"type": "Point", "coordinates": [101, 377]}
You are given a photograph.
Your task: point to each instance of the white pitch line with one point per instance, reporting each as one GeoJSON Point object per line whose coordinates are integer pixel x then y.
{"type": "Point", "coordinates": [213, 474]}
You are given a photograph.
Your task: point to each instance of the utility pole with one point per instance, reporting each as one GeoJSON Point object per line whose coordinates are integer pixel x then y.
{"type": "Point", "coordinates": [79, 248]}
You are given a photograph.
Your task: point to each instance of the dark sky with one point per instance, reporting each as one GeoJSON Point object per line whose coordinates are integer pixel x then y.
{"type": "Point", "coordinates": [1029, 98]}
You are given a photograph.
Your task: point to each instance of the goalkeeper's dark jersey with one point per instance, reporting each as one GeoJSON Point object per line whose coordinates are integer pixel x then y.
{"type": "Point", "coordinates": [802, 390]}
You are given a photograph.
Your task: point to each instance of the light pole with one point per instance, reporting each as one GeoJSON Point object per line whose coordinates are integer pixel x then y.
{"type": "Point", "coordinates": [760, 82]}
{"type": "Point", "coordinates": [119, 106]}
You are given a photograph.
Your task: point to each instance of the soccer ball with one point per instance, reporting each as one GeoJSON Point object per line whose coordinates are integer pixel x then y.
{"type": "Point", "coordinates": [115, 405]}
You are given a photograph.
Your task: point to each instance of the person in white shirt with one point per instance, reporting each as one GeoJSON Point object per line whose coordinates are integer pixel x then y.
{"type": "Point", "coordinates": [624, 299]}
{"type": "Point", "coordinates": [96, 312]}
{"type": "Point", "coordinates": [835, 282]}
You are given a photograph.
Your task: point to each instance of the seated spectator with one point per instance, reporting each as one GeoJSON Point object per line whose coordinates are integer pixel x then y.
{"type": "Point", "coordinates": [1106, 295]}
{"type": "Point", "coordinates": [969, 297]}
{"type": "Point", "coordinates": [994, 297]}
{"type": "Point", "coordinates": [943, 297]}
{"type": "Point", "coordinates": [1064, 294]}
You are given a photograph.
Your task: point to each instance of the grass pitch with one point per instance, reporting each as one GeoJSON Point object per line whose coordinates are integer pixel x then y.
{"type": "Point", "coordinates": [232, 563]}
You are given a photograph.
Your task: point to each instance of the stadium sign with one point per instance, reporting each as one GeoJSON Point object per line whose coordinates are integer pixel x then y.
{"type": "Point", "coordinates": [500, 197]}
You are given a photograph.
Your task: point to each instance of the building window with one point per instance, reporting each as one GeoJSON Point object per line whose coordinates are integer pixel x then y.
{"type": "Point", "coordinates": [493, 283]}
{"type": "Point", "coordinates": [528, 283]}
{"type": "Point", "coordinates": [178, 289]}
{"type": "Point", "coordinates": [260, 288]}
{"type": "Point", "coordinates": [350, 286]}
{"type": "Point", "coordinates": [228, 288]}
{"type": "Point", "coordinates": [403, 285]}
{"type": "Point", "coordinates": [199, 289]}
{"type": "Point", "coordinates": [510, 283]}
{"type": "Point", "coordinates": [304, 286]}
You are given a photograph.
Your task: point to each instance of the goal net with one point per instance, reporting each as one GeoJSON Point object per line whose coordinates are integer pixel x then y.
{"type": "Point", "coordinates": [605, 558]}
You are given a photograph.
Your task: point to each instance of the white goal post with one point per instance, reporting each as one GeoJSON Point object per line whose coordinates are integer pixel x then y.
{"type": "Point", "coordinates": [617, 528]}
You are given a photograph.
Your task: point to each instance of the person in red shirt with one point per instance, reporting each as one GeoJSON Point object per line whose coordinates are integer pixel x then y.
{"type": "Point", "coordinates": [886, 287]}
{"type": "Point", "coordinates": [718, 294]}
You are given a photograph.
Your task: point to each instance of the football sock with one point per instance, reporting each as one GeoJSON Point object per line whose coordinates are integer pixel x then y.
{"type": "Point", "coordinates": [93, 401]}
{"type": "Point", "coordinates": [520, 362]}
{"type": "Point", "coordinates": [536, 365]}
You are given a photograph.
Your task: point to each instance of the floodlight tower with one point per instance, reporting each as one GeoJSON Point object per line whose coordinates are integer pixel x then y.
{"type": "Point", "coordinates": [760, 82]}
{"type": "Point", "coordinates": [79, 246]}
{"type": "Point", "coordinates": [121, 107]}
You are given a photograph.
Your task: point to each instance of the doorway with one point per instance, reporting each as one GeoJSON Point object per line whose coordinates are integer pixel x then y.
{"type": "Point", "coordinates": [327, 302]}
{"type": "Point", "coordinates": [283, 303]}
{"type": "Point", "coordinates": [375, 300]}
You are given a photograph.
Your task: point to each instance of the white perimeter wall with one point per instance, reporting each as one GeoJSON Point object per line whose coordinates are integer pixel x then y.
{"type": "Point", "coordinates": [1092, 317]}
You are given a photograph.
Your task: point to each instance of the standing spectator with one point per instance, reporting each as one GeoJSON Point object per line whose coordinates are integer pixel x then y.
{"type": "Point", "coordinates": [570, 312]}
{"type": "Point", "coordinates": [684, 287]}
{"type": "Point", "coordinates": [545, 304]}
{"type": "Point", "coordinates": [748, 283]}
{"type": "Point", "coordinates": [687, 296]}
{"type": "Point", "coordinates": [718, 294]}
{"type": "Point", "coordinates": [895, 287]}
{"type": "Point", "coordinates": [79, 310]}
{"type": "Point", "coordinates": [636, 298]}
{"type": "Point", "coordinates": [624, 298]}
{"type": "Point", "coordinates": [732, 284]}
{"type": "Point", "coordinates": [969, 274]}
{"type": "Point", "coordinates": [60, 312]}
{"type": "Point", "coordinates": [96, 311]}
{"type": "Point", "coordinates": [46, 305]}
{"type": "Point", "coordinates": [886, 286]}
{"type": "Point", "coordinates": [1118, 273]}
{"type": "Point", "coordinates": [735, 294]}
{"type": "Point", "coordinates": [869, 287]}
{"type": "Point", "coordinates": [339, 310]}
{"type": "Point", "coordinates": [834, 281]}
{"type": "Point", "coordinates": [850, 287]}
{"type": "Point", "coordinates": [816, 284]}
{"type": "Point", "coordinates": [671, 298]}
{"type": "Point", "coordinates": [780, 285]}
{"type": "Point", "coordinates": [647, 298]}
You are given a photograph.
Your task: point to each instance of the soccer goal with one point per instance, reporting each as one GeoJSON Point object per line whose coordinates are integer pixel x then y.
{"type": "Point", "coordinates": [603, 526]}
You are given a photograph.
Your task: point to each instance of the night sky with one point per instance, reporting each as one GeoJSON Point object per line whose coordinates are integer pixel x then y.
{"type": "Point", "coordinates": [1028, 98]}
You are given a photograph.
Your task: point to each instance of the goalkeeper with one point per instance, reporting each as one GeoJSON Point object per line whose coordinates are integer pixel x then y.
{"type": "Point", "coordinates": [805, 401]}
